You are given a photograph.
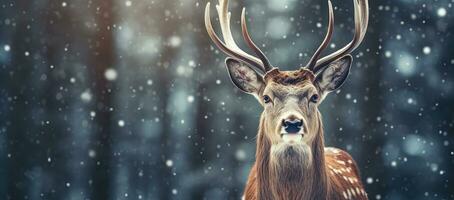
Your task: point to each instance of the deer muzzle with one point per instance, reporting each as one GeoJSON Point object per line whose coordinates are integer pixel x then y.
{"type": "Point", "coordinates": [291, 130]}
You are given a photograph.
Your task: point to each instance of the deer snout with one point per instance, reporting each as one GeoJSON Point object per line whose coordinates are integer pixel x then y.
{"type": "Point", "coordinates": [292, 125]}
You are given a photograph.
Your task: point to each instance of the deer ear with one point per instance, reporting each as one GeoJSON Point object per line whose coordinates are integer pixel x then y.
{"type": "Point", "coordinates": [333, 76]}
{"type": "Point", "coordinates": [244, 77]}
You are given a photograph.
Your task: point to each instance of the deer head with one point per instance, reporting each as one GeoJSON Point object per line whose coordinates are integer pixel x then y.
{"type": "Point", "coordinates": [290, 141]}
{"type": "Point", "coordinates": [290, 98]}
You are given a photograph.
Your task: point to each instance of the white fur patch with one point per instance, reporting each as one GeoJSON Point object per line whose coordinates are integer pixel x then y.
{"type": "Point", "coordinates": [291, 138]}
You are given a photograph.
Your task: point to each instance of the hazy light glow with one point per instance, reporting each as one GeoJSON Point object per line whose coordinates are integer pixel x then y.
{"type": "Point", "coordinates": [280, 5]}
{"type": "Point", "coordinates": [406, 64]}
{"type": "Point", "coordinates": [412, 145]}
{"type": "Point", "coordinates": [278, 27]}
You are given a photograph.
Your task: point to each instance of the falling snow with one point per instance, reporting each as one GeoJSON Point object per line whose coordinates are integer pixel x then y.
{"type": "Point", "coordinates": [121, 123]}
{"type": "Point", "coordinates": [441, 12]}
{"type": "Point", "coordinates": [426, 50]}
{"type": "Point", "coordinates": [131, 100]}
{"type": "Point", "coordinates": [86, 96]}
{"type": "Point", "coordinates": [7, 47]}
{"type": "Point", "coordinates": [111, 74]}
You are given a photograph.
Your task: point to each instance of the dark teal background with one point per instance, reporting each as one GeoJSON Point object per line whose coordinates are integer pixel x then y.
{"type": "Point", "coordinates": [118, 99]}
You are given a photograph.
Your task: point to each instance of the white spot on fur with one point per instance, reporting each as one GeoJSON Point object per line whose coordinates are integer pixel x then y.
{"type": "Point", "coordinates": [340, 162]}
{"type": "Point", "coordinates": [353, 192]}
{"type": "Point", "coordinates": [345, 195]}
{"type": "Point", "coordinates": [349, 194]}
{"type": "Point", "coordinates": [358, 191]}
{"type": "Point", "coordinates": [334, 150]}
{"type": "Point", "coordinates": [345, 178]}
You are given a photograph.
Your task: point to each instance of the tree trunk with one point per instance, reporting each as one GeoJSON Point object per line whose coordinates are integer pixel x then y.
{"type": "Point", "coordinates": [166, 61]}
{"type": "Point", "coordinates": [20, 72]}
{"type": "Point", "coordinates": [103, 57]}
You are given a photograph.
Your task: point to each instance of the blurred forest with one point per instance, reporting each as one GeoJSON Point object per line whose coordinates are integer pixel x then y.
{"type": "Point", "coordinates": [129, 99]}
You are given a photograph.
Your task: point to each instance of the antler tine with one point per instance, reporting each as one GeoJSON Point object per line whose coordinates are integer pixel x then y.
{"type": "Point", "coordinates": [229, 47]}
{"type": "Point", "coordinates": [329, 33]}
{"type": "Point", "coordinates": [223, 47]}
{"type": "Point", "coordinates": [251, 44]}
{"type": "Point", "coordinates": [361, 8]}
{"type": "Point", "coordinates": [224, 20]}
{"type": "Point", "coordinates": [364, 6]}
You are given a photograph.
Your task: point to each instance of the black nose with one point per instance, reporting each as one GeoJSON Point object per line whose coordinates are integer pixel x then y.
{"type": "Point", "coordinates": [292, 126]}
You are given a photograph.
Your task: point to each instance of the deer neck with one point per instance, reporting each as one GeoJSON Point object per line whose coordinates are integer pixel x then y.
{"type": "Point", "coordinates": [294, 176]}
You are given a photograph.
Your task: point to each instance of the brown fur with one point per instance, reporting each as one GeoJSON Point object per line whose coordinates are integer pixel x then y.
{"type": "Point", "coordinates": [289, 77]}
{"type": "Point", "coordinates": [330, 174]}
{"type": "Point", "coordinates": [321, 182]}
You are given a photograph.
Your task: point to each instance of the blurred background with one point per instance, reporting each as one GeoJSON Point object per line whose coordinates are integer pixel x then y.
{"type": "Point", "coordinates": [129, 99]}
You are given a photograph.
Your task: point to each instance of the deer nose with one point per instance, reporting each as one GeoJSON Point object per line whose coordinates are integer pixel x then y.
{"type": "Point", "coordinates": [292, 125]}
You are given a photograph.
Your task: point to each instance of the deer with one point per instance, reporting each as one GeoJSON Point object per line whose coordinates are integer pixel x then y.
{"type": "Point", "coordinates": [291, 161]}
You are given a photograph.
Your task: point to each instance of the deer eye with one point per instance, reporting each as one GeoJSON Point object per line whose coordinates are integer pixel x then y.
{"type": "Point", "coordinates": [314, 98]}
{"type": "Point", "coordinates": [266, 99]}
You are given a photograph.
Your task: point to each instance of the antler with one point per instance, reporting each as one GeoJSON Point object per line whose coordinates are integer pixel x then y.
{"type": "Point", "coordinates": [361, 21]}
{"type": "Point", "coordinates": [250, 43]}
{"type": "Point", "coordinates": [230, 47]}
{"type": "Point", "coordinates": [329, 34]}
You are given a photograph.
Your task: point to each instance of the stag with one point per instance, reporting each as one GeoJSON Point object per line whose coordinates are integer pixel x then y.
{"type": "Point", "coordinates": [292, 161]}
